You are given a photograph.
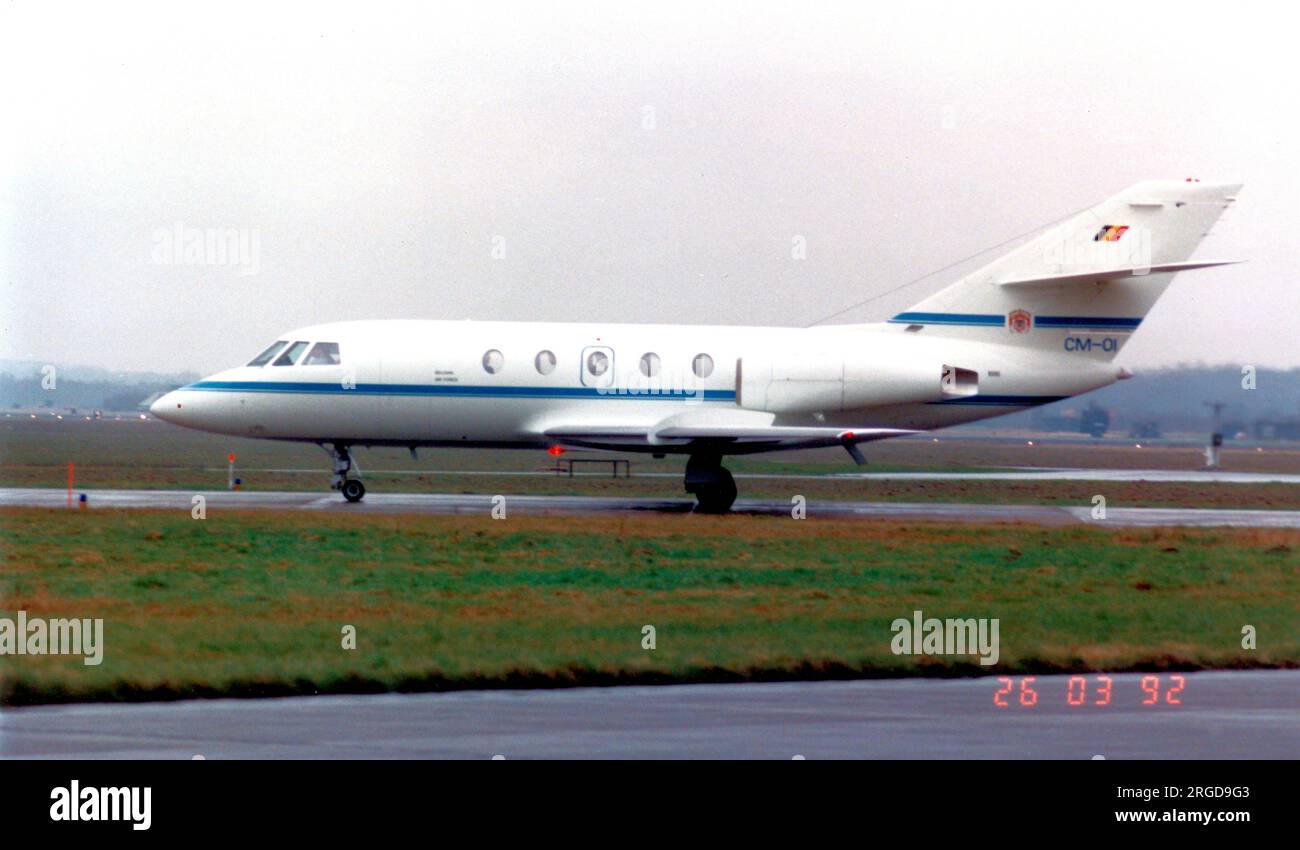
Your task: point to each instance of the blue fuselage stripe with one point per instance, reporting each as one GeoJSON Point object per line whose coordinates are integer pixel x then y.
{"type": "Point", "coordinates": [1106, 322]}
{"type": "Point", "coordinates": [951, 319]}
{"type": "Point", "coordinates": [990, 320]}
{"type": "Point", "coordinates": [467, 391]}
{"type": "Point", "coordinates": [458, 390]}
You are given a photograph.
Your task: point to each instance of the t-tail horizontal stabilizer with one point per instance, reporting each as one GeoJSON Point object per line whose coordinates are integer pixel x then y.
{"type": "Point", "coordinates": [1103, 275]}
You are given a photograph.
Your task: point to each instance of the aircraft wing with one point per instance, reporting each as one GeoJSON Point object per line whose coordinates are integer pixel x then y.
{"type": "Point", "coordinates": [682, 433]}
{"type": "Point", "coordinates": [820, 436]}
{"type": "Point", "coordinates": [739, 429]}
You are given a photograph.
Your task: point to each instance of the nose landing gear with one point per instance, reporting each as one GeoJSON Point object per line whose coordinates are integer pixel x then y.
{"type": "Point", "coordinates": [713, 486]}
{"type": "Point", "coordinates": [351, 488]}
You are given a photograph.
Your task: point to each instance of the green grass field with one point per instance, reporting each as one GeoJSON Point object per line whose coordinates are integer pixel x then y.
{"type": "Point", "coordinates": [255, 603]}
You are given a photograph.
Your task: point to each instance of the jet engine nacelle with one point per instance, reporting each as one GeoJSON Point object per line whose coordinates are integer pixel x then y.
{"type": "Point", "coordinates": [832, 383]}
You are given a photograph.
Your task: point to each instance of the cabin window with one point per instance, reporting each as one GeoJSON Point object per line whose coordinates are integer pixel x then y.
{"type": "Point", "coordinates": [702, 365]}
{"type": "Point", "coordinates": [291, 354]}
{"type": "Point", "coordinates": [545, 362]}
{"type": "Point", "coordinates": [493, 360]}
{"type": "Point", "coordinates": [597, 363]}
{"type": "Point", "coordinates": [649, 364]}
{"type": "Point", "coordinates": [265, 357]}
{"type": "Point", "coordinates": [323, 354]}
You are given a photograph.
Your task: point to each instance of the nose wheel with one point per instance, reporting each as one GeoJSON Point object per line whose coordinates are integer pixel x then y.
{"type": "Point", "coordinates": [351, 488]}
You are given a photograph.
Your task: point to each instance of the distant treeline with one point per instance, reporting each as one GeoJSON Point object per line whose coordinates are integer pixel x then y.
{"type": "Point", "coordinates": [1169, 400]}
{"type": "Point", "coordinates": [84, 396]}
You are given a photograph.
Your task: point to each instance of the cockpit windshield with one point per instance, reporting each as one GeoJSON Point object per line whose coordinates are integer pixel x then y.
{"type": "Point", "coordinates": [323, 354]}
{"type": "Point", "coordinates": [265, 357]}
{"type": "Point", "coordinates": [291, 354]}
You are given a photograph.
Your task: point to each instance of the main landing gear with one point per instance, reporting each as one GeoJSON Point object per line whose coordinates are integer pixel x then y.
{"type": "Point", "coordinates": [351, 488]}
{"type": "Point", "coordinates": [713, 486]}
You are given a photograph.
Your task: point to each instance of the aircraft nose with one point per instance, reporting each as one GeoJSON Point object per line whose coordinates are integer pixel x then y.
{"type": "Point", "coordinates": [166, 407]}
{"type": "Point", "coordinates": [195, 408]}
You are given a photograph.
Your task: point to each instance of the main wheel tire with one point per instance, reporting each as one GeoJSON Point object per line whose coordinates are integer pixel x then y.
{"type": "Point", "coordinates": [353, 490]}
{"type": "Point", "coordinates": [718, 496]}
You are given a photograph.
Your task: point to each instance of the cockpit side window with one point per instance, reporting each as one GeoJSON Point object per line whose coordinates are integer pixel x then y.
{"type": "Point", "coordinates": [291, 354]}
{"type": "Point", "coordinates": [323, 354]}
{"type": "Point", "coordinates": [265, 357]}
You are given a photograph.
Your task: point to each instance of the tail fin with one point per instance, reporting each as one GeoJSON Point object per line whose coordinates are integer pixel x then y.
{"type": "Point", "coordinates": [1086, 285]}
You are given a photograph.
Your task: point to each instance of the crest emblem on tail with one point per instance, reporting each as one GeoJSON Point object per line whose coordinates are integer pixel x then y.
{"type": "Point", "coordinates": [1019, 321]}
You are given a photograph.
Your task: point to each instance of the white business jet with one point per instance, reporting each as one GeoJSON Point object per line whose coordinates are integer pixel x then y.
{"type": "Point", "coordinates": [1038, 325]}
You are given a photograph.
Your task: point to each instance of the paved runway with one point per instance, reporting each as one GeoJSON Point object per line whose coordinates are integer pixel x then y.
{"type": "Point", "coordinates": [1221, 715]}
{"type": "Point", "coordinates": [1181, 476]}
{"type": "Point", "coordinates": [475, 504]}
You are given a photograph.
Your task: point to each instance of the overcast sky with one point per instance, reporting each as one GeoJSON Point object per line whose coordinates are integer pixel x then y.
{"type": "Point", "coordinates": [646, 163]}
